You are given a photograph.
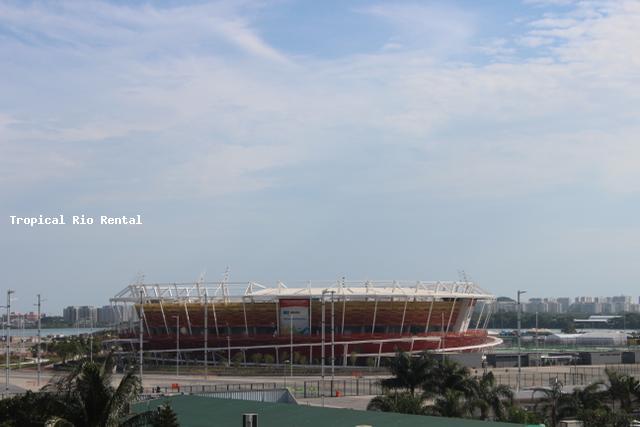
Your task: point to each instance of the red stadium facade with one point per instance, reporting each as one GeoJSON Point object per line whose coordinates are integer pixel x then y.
{"type": "Point", "coordinates": [352, 320]}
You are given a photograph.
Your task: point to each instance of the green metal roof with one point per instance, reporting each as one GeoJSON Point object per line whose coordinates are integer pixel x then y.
{"type": "Point", "coordinates": [196, 411]}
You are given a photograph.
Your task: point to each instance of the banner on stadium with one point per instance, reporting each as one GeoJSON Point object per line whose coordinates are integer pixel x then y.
{"type": "Point", "coordinates": [294, 313]}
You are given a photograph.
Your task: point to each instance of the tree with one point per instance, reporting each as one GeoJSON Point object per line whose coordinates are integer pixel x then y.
{"type": "Point", "coordinates": [66, 349]}
{"type": "Point", "coordinates": [401, 402]}
{"type": "Point", "coordinates": [604, 417]}
{"type": "Point", "coordinates": [409, 372]}
{"type": "Point", "coordinates": [622, 388]}
{"type": "Point", "coordinates": [448, 375]}
{"type": "Point", "coordinates": [451, 404]}
{"type": "Point", "coordinates": [589, 398]}
{"type": "Point", "coordinates": [489, 396]}
{"type": "Point", "coordinates": [165, 417]}
{"type": "Point", "coordinates": [90, 399]}
{"type": "Point", "coordinates": [29, 410]}
{"type": "Point", "coordinates": [269, 359]}
{"type": "Point", "coordinates": [553, 402]}
{"type": "Point", "coordinates": [568, 326]}
{"type": "Point", "coordinates": [518, 415]}
{"type": "Point", "coordinates": [238, 359]}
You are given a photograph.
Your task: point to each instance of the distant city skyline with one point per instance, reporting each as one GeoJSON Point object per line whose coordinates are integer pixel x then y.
{"type": "Point", "coordinates": [303, 141]}
{"type": "Point", "coordinates": [615, 304]}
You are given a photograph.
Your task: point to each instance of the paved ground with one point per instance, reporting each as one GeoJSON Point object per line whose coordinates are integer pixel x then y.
{"type": "Point", "coordinates": [26, 379]}
{"type": "Point", "coordinates": [349, 402]}
{"type": "Point", "coordinates": [531, 377]}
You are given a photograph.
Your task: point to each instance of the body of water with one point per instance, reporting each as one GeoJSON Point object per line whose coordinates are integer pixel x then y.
{"type": "Point", "coordinates": [17, 332]}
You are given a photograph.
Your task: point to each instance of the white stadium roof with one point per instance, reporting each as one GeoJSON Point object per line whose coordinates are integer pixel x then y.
{"type": "Point", "coordinates": [253, 291]}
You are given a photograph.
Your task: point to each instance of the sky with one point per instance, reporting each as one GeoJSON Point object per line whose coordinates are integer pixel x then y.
{"type": "Point", "coordinates": [304, 140]}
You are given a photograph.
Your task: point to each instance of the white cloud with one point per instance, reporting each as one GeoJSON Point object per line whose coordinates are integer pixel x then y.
{"type": "Point", "coordinates": [197, 87]}
{"type": "Point", "coordinates": [437, 29]}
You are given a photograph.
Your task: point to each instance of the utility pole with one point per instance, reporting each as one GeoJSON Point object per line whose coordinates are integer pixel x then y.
{"type": "Point", "coordinates": [291, 343]}
{"type": "Point", "coordinates": [8, 340]}
{"type": "Point", "coordinates": [206, 337]}
{"type": "Point", "coordinates": [518, 314]}
{"type": "Point", "coordinates": [322, 339]}
{"type": "Point", "coordinates": [177, 345]}
{"type": "Point", "coordinates": [536, 331]}
{"type": "Point", "coordinates": [333, 338]}
{"type": "Point", "coordinates": [39, 343]}
{"type": "Point", "coordinates": [141, 331]}
{"type": "Point", "coordinates": [91, 338]}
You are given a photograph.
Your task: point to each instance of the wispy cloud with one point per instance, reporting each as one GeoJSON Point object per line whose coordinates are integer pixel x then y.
{"type": "Point", "coordinates": [197, 86]}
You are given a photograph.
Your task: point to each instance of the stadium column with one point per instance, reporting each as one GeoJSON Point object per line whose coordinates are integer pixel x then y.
{"type": "Point", "coordinates": [426, 328]}
{"type": "Point", "coordinates": [244, 311]}
{"type": "Point", "coordinates": [453, 307]}
{"type": "Point", "coordinates": [375, 312]}
{"type": "Point", "coordinates": [404, 313]}
{"type": "Point", "coordinates": [310, 329]}
{"type": "Point", "coordinates": [480, 315]}
{"type": "Point", "coordinates": [206, 336]}
{"type": "Point", "coordinates": [164, 318]}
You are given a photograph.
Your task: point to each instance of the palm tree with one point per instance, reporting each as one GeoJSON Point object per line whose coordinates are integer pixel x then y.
{"type": "Point", "coordinates": [165, 417]}
{"type": "Point", "coordinates": [588, 398]}
{"type": "Point", "coordinates": [451, 403]}
{"type": "Point", "coordinates": [409, 372]}
{"type": "Point", "coordinates": [491, 396]}
{"type": "Point", "coordinates": [92, 401]}
{"type": "Point", "coordinates": [448, 375]}
{"type": "Point", "coordinates": [29, 409]}
{"type": "Point", "coordinates": [622, 388]}
{"type": "Point", "coordinates": [553, 402]}
{"type": "Point", "coordinates": [517, 414]}
{"type": "Point", "coordinates": [402, 402]}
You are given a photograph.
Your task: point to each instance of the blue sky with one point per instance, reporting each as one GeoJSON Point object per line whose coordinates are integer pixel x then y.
{"type": "Point", "coordinates": [300, 140]}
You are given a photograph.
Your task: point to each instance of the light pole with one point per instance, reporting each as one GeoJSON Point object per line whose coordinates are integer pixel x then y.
{"type": "Point", "coordinates": [228, 346]}
{"type": "Point", "coordinates": [333, 340]}
{"type": "Point", "coordinates": [519, 348]}
{"type": "Point", "coordinates": [140, 344]}
{"type": "Point", "coordinates": [91, 341]}
{"type": "Point", "coordinates": [177, 345]}
{"type": "Point", "coordinates": [291, 343]}
{"type": "Point", "coordinates": [536, 332]}
{"type": "Point", "coordinates": [8, 340]}
{"type": "Point", "coordinates": [39, 343]}
{"type": "Point", "coordinates": [206, 337]}
{"type": "Point", "coordinates": [322, 338]}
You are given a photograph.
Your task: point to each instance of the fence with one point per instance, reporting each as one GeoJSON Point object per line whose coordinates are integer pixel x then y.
{"type": "Point", "coordinates": [299, 389]}
{"type": "Point", "coordinates": [570, 376]}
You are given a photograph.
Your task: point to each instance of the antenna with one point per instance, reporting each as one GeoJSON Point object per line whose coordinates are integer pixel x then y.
{"type": "Point", "coordinates": [200, 281]}
{"type": "Point", "coordinates": [39, 354]}
{"type": "Point", "coordinates": [225, 288]}
{"type": "Point", "coordinates": [463, 276]}
{"type": "Point", "coordinates": [139, 278]}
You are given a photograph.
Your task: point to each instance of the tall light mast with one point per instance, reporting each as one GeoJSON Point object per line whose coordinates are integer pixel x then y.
{"type": "Point", "coordinates": [39, 357]}
{"type": "Point", "coordinates": [519, 333]}
{"type": "Point", "coordinates": [8, 340]}
{"type": "Point", "coordinates": [140, 344]}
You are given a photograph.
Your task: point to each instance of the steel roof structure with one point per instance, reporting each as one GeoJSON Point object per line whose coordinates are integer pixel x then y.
{"type": "Point", "coordinates": [254, 291]}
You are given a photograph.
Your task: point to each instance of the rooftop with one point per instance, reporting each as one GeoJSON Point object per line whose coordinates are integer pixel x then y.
{"type": "Point", "coordinates": [197, 411]}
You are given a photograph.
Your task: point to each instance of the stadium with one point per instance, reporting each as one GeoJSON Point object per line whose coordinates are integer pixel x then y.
{"type": "Point", "coordinates": [346, 319]}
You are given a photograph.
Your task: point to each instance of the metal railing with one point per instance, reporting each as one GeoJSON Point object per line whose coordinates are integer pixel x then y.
{"type": "Point", "coordinates": [299, 389]}
{"type": "Point", "coordinates": [570, 376]}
